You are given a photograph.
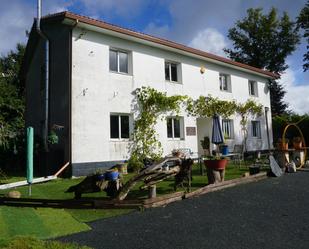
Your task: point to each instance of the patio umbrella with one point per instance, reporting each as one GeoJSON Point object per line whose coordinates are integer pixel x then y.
{"type": "Point", "coordinates": [217, 136]}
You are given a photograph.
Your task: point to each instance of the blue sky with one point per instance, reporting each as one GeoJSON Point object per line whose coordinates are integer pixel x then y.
{"type": "Point", "coordinates": [200, 23]}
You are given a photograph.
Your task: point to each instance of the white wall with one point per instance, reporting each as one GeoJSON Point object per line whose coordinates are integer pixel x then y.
{"type": "Point", "coordinates": [97, 92]}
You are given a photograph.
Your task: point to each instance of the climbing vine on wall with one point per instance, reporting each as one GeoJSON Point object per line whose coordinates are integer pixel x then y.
{"type": "Point", "coordinates": [151, 104]}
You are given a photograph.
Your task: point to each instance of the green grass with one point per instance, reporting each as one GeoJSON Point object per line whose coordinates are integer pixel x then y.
{"type": "Point", "coordinates": [45, 223]}
{"type": "Point", "coordinates": [34, 243]}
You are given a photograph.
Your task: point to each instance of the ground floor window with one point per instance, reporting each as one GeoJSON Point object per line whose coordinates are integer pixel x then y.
{"type": "Point", "coordinates": [256, 129]}
{"type": "Point", "coordinates": [119, 126]}
{"type": "Point", "coordinates": [228, 128]}
{"type": "Point", "coordinates": [174, 127]}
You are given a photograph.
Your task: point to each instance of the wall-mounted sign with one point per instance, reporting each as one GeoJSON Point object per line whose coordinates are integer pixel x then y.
{"type": "Point", "coordinates": [191, 131]}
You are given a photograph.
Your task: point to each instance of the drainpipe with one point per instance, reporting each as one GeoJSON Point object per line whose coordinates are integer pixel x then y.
{"type": "Point", "coordinates": [46, 45]}
{"type": "Point", "coordinates": [267, 127]}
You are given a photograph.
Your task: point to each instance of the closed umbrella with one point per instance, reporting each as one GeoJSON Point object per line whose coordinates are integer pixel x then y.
{"type": "Point", "coordinates": [217, 136]}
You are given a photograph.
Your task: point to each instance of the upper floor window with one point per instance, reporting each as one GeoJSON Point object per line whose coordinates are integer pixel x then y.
{"type": "Point", "coordinates": [252, 88]}
{"type": "Point", "coordinates": [228, 128]}
{"type": "Point", "coordinates": [118, 61]}
{"type": "Point", "coordinates": [174, 127]}
{"type": "Point", "coordinates": [256, 129]}
{"type": "Point", "coordinates": [171, 71]}
{"type": "Point", "coordinates": [119, 126]}
{"type": "Point", "coordinates": [225, 82]}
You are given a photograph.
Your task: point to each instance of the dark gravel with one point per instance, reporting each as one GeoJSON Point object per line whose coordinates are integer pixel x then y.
{"type": "Point", "coordinates": [272, 213]}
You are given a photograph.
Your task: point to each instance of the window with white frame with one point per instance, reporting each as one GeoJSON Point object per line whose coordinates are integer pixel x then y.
{"type": "Point", "coordinates": [174, 127]}
{"type": "Point", "coordinates": [118, 61]}
{"type": "Point", "coordinates": [228, 128]}
{"type": "Point", "coordinates": [252, 85]}
{"type": "Point", "coordinates": [256, 129]}
{"type": "Point", "coordinates": [225, 82]}
{"type": "Point", "coordinates": [119, 126]}
{"type": "Point", "coordinates": [171, 71]}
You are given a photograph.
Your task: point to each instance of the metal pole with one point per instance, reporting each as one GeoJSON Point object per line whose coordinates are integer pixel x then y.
{"type": "Point", "coordinates": [29, 157]}
{"type": "Point", "coordinates": [267, 128]}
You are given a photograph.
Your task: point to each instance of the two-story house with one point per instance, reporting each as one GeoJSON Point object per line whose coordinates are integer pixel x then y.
{"type": "Point", "coordinates": [93, 68]}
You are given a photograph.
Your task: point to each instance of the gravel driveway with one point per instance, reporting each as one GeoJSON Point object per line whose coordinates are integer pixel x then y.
{"type": "Point", "coordinates": [272, 213]}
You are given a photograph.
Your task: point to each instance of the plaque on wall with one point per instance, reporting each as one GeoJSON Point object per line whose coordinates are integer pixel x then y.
{"type": "Point", "coordinates": [191, 131]}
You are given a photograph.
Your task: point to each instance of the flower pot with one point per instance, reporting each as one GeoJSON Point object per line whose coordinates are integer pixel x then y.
{"type": "Point", "coordinates": [111, 175]}
{"type": "Point", "coordinates": [282, 146]}
{"type": "Point", "coordinates": [216, 164]}
{"type": "Point", "coordinates": [224, 150]}
{"type": "Point", "coordinates": [297, 145]}
{"type": "Point", "coordinates": [254, 169]}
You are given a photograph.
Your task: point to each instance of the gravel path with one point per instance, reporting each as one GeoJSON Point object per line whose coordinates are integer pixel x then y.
{"type": "Point", "coordinates": [272, 213]}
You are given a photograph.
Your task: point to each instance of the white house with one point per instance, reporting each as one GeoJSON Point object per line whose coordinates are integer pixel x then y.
{"type": "Point", "coordinates": [94, 67]}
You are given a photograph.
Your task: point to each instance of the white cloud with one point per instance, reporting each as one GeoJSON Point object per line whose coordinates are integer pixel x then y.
{"type": "Point", "coordinates": [17, 17]}
{"type": "Point", "coordinates": [156, 30]}
{"type": "Point", "coordinates": [297, 96]}
{"type": "Point", "coordinates": [210, 40]}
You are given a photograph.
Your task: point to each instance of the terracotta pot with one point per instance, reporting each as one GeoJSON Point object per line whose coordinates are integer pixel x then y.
{"type": "Point", "coordinates": [282, 146]}
{"type": "Point", "coordinates": [216, 164]}
{"type": "Point", "coordinates": [297, 145]}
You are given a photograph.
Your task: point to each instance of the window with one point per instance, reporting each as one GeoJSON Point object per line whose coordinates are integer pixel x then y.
{"type": "Point", "coordinates": [256, 129]}
{"type": "Point", "coordinates": [252, 88]}
{"type": "Point", "coordinates": [174, 127]}
{"type": "Point", "coordinates": [225, 82]}
{"type": "Point", "coordinates": [119, 126]}
{"type": "Point", "coordinates": [171, 71]}
{"type": "Point", "coordinates": [228, 128]}
{"type": "Point", "coordinates": [118, 61]}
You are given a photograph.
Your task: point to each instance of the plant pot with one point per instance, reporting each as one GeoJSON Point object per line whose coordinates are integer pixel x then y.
{"type": "Point", "coordinates": [254, 169]}
{"type": "Point", "coordinates": [282, 146]}
{"type": "Point", "coordinates": [224, 150]}
{"type": "Point", "coordinates": [297, 145]}
{"type": "Point", "coordinates": [217, 164]}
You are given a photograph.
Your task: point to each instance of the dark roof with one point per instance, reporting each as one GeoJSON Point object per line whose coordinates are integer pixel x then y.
{"type": "Point", "coordinates": [164, 42]}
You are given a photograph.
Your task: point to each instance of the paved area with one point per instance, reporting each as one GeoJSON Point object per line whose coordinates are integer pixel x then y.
{"type": "Point", "coordinates": [272, 213]}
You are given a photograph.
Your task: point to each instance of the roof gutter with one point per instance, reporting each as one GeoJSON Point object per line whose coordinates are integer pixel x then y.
{"type": "Point", "coordinates": [46, 50]}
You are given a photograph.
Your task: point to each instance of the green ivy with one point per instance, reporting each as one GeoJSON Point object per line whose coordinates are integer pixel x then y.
{"type": "Point", "coordinates": [209, 106]}
{"type": "Point", "coordinates": [151, 104]}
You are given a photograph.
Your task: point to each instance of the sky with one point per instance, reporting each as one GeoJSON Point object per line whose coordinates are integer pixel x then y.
{"type": "Point", "coordinates": [202, 24]}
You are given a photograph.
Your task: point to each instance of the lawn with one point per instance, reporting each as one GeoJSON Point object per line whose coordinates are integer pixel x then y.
{"type": "Point", "coordinates": [45, 223]}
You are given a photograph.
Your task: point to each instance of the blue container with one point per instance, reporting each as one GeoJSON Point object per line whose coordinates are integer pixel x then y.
{"type": "Point", "coordinates": [225, 150]}
{"type": "Point", "coordinates": [112, 175]}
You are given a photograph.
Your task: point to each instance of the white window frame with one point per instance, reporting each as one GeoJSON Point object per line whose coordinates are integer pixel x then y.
{"type": "Point", "coordinates": [228, 82]}
{"type": "Point", "coordinates": [254, 87]}
{"type": "Point", "coordinates": [229, 125]}
{"type": "Point", "coordinates": [181, 128]}
{"type": "Point", "coordinates": [119, 126]}
{"type": "Point", "coordinates": [258, 126]}
{"type": "Point", "coordinates": [170, 71]}
{"type": "Point", "coordinates": [118, 64]}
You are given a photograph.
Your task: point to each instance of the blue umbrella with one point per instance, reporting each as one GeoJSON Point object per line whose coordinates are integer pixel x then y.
{"type": "Point", "coordinates": [217, 136]}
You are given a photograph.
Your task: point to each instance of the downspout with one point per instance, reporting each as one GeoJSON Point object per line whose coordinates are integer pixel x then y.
{"type": "Point", "coordinates": [40, 32]}
{"type": "Point", "coordinates": [267, 126]}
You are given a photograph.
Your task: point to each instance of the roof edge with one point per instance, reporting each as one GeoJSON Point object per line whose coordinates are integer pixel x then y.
{"type": "Point", "coordinates": [164, 42]}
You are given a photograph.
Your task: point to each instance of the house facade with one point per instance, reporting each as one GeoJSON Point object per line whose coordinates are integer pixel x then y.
{"type": "Point", "coordinates": [95, 68]}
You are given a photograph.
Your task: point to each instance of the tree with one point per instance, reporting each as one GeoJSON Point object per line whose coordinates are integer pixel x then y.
{"type": "Point", "coordinates": [265, 41]}
{"type": "Point", "coordinates": [303, 23]}
{"type": "Point", "coordinates": [11, 98]}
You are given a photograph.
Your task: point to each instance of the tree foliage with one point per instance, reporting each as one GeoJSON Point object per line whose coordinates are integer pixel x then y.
{"type": "Point", "coordinates": [303, 23]}
{"type": "Point", "coordinates": [11, 98]}
{"type": "Point", "coordinates": [265, 41]}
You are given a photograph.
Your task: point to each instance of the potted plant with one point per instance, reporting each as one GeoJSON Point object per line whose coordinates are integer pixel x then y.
{"type": "Point", "coordinates": [282, 144]}
{"type": "Point", "coordinates": [205, 143]}
{"type": "Point", "coordinates": [297, 143]}
{"type": "Point", "coordinates": [210, 107]}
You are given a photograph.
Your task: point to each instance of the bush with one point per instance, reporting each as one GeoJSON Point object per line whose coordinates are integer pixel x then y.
{"type": "Point", "coordinates": [134, 164]}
